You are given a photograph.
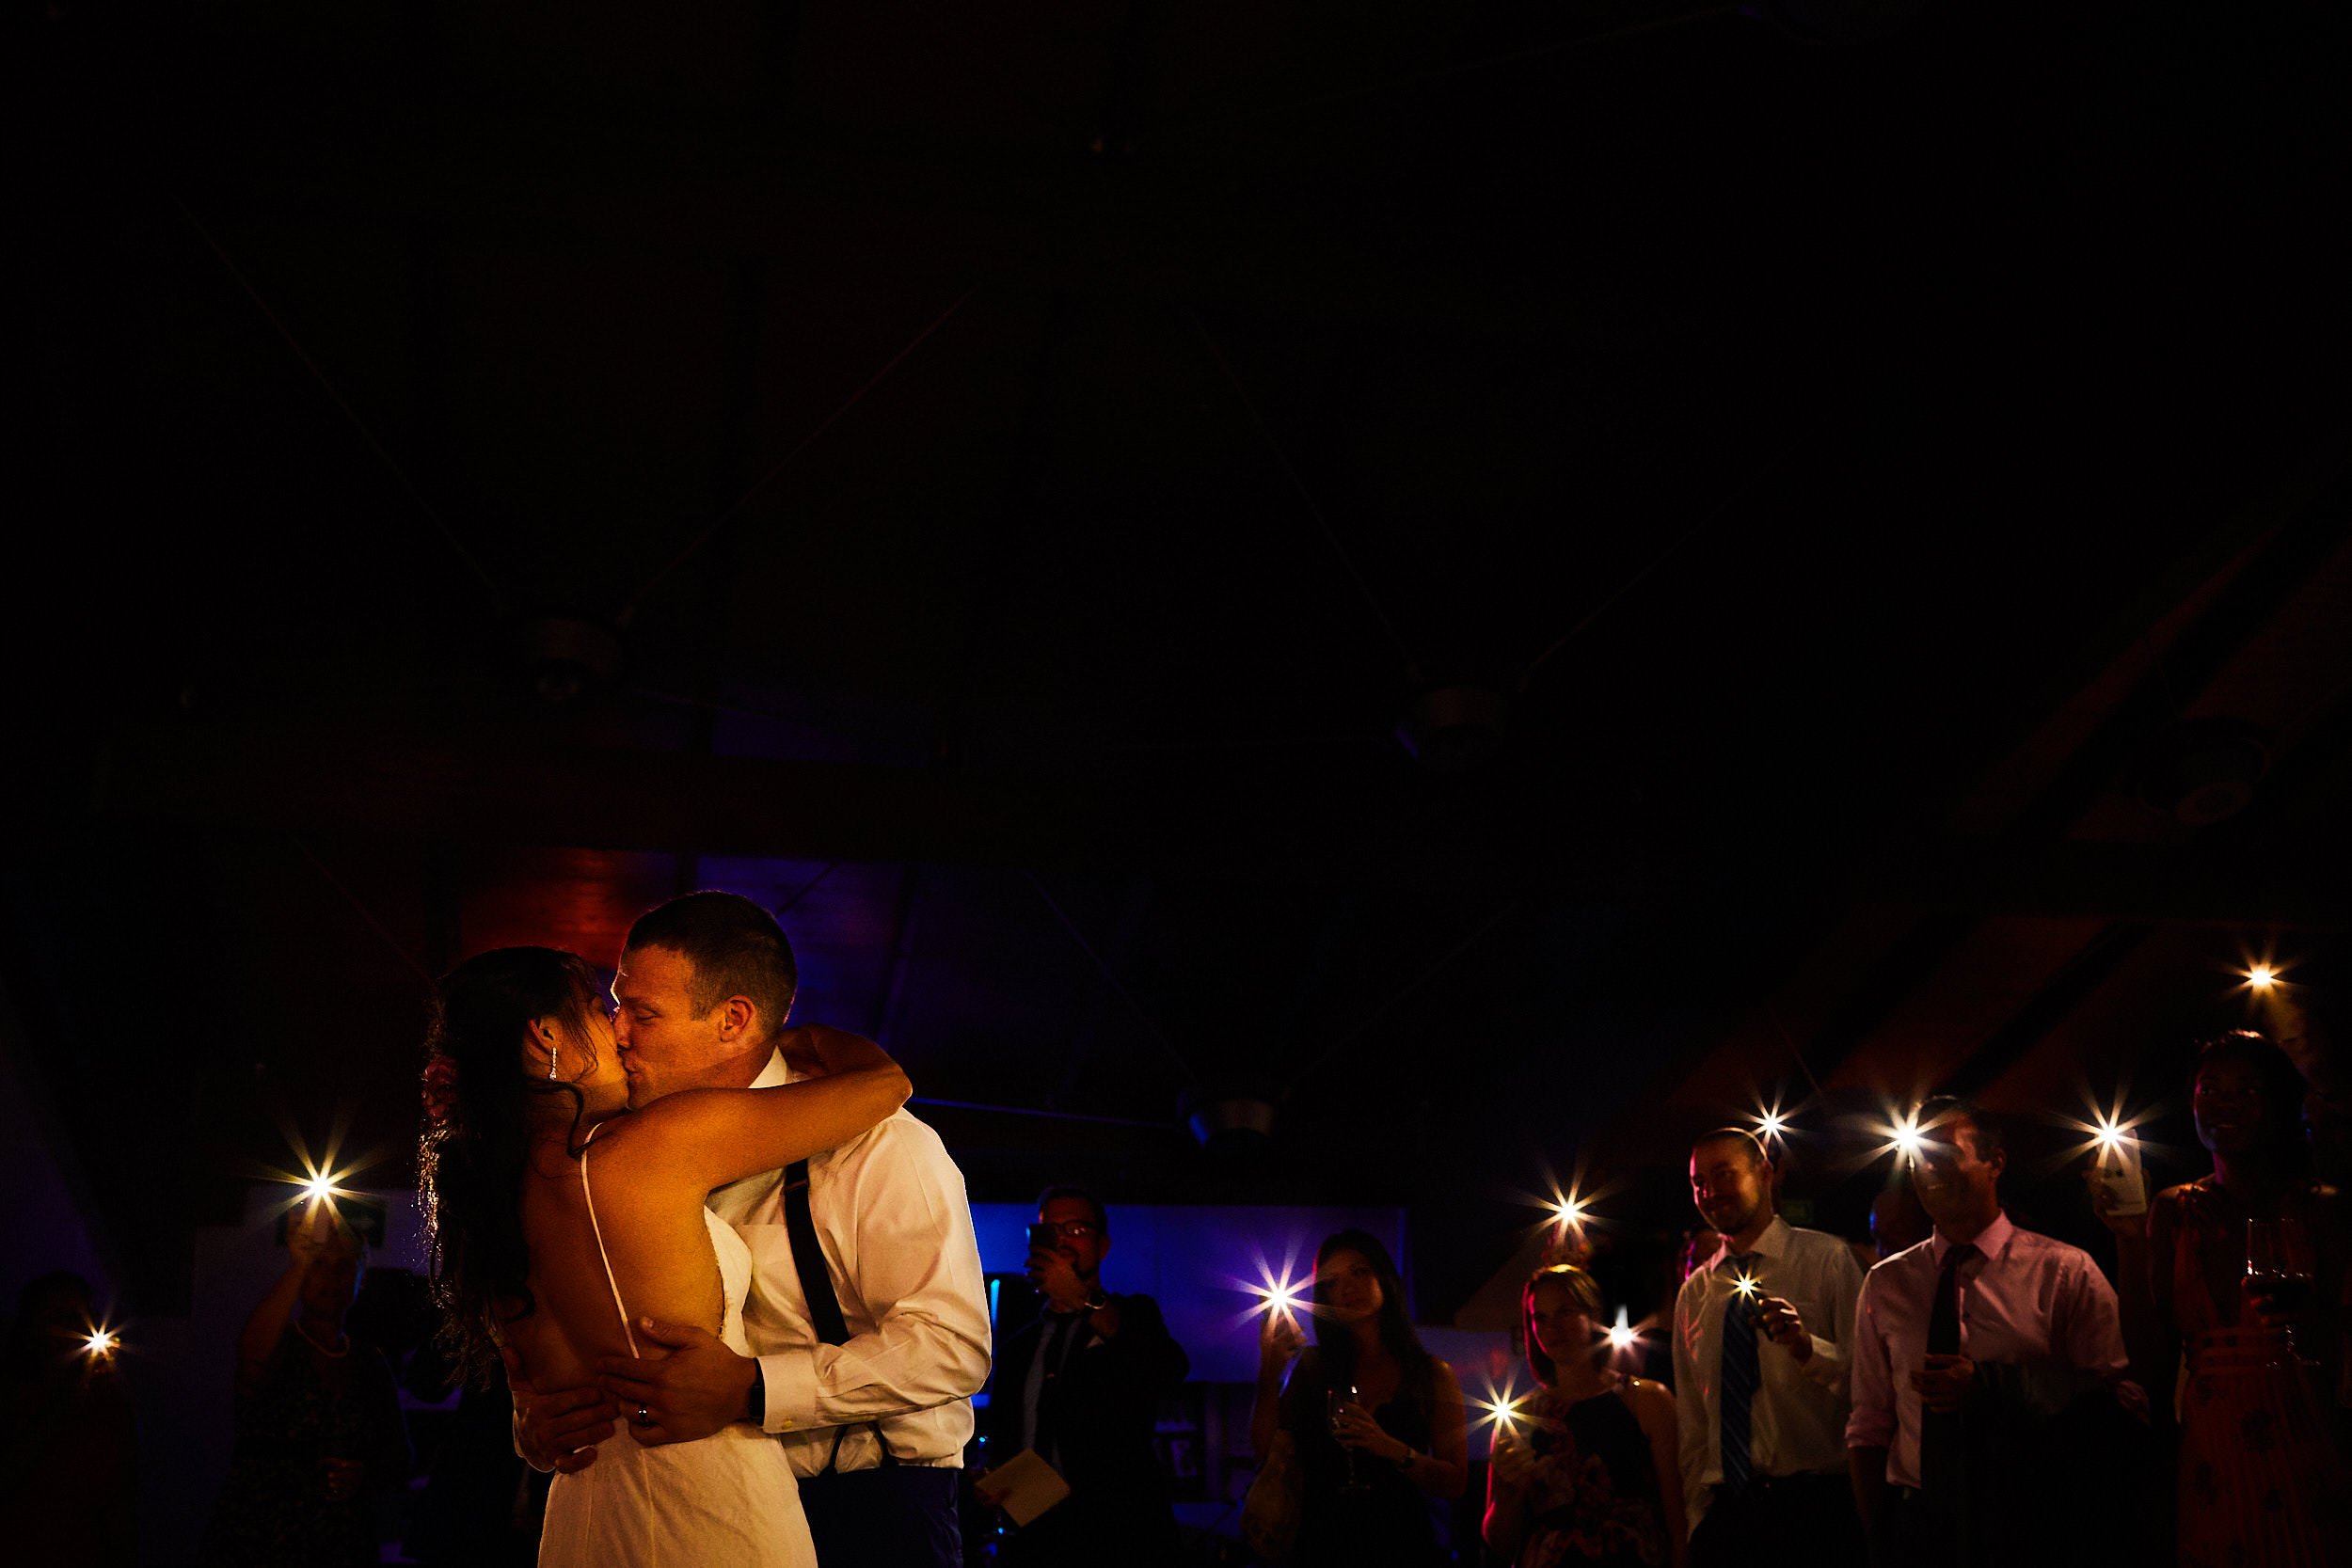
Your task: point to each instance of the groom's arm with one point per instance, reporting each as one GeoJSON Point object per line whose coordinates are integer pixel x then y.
{"type": "Point", "coordinates": [917, 1264]}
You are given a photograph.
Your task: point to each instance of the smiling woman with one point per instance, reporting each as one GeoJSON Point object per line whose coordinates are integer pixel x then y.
{"type": "Point", "coordinates": [2262, 1482]}
{"type": "Point", "coordinates": [1376, 1424]}
{"type": "Point", "coordinates": [1589, 1469]}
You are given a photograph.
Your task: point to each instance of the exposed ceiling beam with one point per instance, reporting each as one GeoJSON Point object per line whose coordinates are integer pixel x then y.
{"type": "Point", "coordinates": [1193, 819]}
{"type": "Point", "coordinates": [2230, 887]}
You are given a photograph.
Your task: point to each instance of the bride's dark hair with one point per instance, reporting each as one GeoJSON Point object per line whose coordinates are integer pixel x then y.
{"type": "Point", "coordinates": [470, 1163]}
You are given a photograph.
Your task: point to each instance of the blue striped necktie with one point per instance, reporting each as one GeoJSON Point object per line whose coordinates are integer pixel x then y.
{"type": "Point", "coordinates": [1738, 1373]}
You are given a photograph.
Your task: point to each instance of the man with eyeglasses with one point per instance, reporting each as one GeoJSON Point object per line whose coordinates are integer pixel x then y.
{"type": "Point", "coordinates": [1081, 1388]}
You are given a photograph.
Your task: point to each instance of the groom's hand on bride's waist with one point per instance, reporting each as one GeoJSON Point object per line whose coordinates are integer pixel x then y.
{"type": "Point", "coordinates": [698, 1389]}
{"type": "Point", "coordinates": [558, 1429]}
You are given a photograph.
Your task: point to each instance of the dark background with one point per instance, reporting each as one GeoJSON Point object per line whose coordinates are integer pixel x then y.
{"type": "Point", "coordinates": [990, 481]}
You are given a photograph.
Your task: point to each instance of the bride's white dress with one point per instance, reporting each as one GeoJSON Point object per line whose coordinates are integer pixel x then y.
{"type": "Point", "coordinates": [728, 1499]}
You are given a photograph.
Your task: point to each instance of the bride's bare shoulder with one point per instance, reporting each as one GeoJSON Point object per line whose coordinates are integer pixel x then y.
{"type": "Point", "coordinates": [657, 1138]}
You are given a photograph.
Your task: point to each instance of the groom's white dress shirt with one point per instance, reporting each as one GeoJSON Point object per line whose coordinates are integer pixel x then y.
{"type": "Point", "coordinates": [890, 1209]}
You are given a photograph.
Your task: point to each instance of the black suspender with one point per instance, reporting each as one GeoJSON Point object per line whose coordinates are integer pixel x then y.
{"type": "Point", "coordinates": [824, 1304]}
{"type": "Point", "coordinates": [808, 1259]}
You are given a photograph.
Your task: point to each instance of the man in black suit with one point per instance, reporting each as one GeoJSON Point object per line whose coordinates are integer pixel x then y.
{"type": "Point", "coordinates": [1082, 1385]}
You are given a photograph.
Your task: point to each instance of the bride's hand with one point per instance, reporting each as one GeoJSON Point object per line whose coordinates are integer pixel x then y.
{"type": "Point", "coordinates": [800, 1053]}
{"type": "Point", "coordinates": [558, 1429]}
{"type": "Point", "coordinates": [826, 1049]}
{"type": "Point", "coordinates": [700, 1387]}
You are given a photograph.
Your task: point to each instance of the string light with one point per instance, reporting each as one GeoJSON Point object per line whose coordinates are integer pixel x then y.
{"type": "Point", "coordinates": [102, 1343]}
{"type": "Point", "coordinates": [1623, 1336]}
{"type": "Point", "coordinates": [1771, 1124]}
{"type": "Point", "coordinates": [2262, 976]}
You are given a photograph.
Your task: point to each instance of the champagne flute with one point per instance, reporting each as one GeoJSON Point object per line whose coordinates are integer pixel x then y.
{"type": "Point", "coordinates": [2278, 1267]}
{"type": "Point", "coordinates": [1335, 1400]}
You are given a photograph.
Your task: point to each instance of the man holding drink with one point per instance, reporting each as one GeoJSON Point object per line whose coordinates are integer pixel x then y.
{"type": "Point", "coordinates": [1968, 1346]}
{"type": "Point", "coordinates": [1763, 1335]}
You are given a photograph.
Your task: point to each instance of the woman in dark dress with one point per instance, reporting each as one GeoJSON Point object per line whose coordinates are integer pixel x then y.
{"type": "Point", "coordinates": [1374, 1421]}
{"type": "Point", "coordinates": [319, 1429]}
{"type": "Point", "coordinates": [1586, 1471]}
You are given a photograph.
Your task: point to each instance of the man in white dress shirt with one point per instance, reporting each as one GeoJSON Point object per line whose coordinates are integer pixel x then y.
{"type": "Point", "coordinates": [1763, 1337]}
{"type": "Point", "coordinates": [868, 1388]}
{"type": "Point", "coordinates": [1974, 1352]}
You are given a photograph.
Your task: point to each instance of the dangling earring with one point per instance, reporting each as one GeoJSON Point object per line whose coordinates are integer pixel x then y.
{"type": "Point", "coordinates": [551, 1050]}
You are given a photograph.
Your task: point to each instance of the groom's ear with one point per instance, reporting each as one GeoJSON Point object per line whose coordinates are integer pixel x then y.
{"type": "Point", "coordinates": [738, 1017]}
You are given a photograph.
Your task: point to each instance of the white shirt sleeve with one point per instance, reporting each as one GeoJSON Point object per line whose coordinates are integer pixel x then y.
{"type": "Point", "coordinates": [1831, 1364]}
{"type": "Point", "coordinates": [915, 1265]}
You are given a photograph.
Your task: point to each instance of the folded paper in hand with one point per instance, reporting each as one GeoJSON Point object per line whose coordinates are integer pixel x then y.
{"type": "Point", "coordinates": [1024, 1486]}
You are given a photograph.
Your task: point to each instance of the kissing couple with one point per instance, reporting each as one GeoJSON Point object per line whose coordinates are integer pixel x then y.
{"type": "Point", "coordinates": [672, 1216]}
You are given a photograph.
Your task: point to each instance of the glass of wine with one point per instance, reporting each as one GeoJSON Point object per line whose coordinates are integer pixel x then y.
{"type": "Point", "coordinates": [1334, 1400]}
{"type": "Point", "coordinates": [2278, 1267]}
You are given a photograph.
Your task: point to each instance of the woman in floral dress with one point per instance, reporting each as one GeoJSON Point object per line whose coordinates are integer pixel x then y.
{"type": "Point", "coordinates": [1584, 1473]}
{"type": "Point", "coordinates": [2263, 1480]}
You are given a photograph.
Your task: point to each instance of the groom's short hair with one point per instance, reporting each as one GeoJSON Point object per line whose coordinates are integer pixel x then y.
{"type": "Point", "coordinates": [736, 949]}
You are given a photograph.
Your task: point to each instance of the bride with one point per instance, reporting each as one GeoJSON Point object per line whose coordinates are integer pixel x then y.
{"type": "Point", "coordinates": [558, 1225]}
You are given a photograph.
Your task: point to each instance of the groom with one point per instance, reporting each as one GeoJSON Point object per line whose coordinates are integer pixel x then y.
{"type": "Point", "coordinates": [871, 1397]}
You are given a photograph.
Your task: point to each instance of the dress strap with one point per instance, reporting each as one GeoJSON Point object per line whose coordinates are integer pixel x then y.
{"type": "Point", "coordinates": [597, 1231]}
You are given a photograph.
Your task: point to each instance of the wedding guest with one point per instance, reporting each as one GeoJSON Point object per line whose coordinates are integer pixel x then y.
{"type": "Point", "coordinates": [1586, 1472]}
{"type": "Point", "coordinates": [2263, 1483]}
{"type": "Point", "coordinates": [1763, 1337]}
{"type": "Point", "coordinates": [1081, 1386]}
{"type": "Point", "coordinates": [1375, 1422]}
{"type": "Point", "coordinates": [67, 1492]}
{"type": "Point", "coordinates": [1971, 1350]}
{"type": "Point", "coordinates": [319, 1429]}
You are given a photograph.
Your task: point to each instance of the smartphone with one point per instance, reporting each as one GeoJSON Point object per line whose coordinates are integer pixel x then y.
{"type": "Point", "coordinates": [2121, 1174]}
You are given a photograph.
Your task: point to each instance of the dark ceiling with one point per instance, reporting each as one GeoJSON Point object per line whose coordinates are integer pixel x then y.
{"type": "Point", "coordinates": [990, 481]}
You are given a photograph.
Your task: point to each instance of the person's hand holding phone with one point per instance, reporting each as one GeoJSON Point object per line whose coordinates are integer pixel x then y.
{"type": "Point", "coordinates": [1778, 1320]}
{"type": "Point", "coordinates": [1509, 1461]}
{"type": "Point", "coordinates": [1279, 1337]}
{"type": "Point", "coordinates": [1057, 1277]}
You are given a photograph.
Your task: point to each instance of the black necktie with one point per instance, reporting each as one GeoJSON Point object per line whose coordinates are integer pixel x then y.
{"type": "Point", "coordinates": [1738, 1372]}
{"type": "Point", "coordinates": [1943, 1452]}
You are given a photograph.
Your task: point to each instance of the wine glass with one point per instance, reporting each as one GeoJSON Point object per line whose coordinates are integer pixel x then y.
{"type": "Point", "coordinates": [1334, 1400]}
{"type": "Point", "coordinates": [2278, 1267]}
